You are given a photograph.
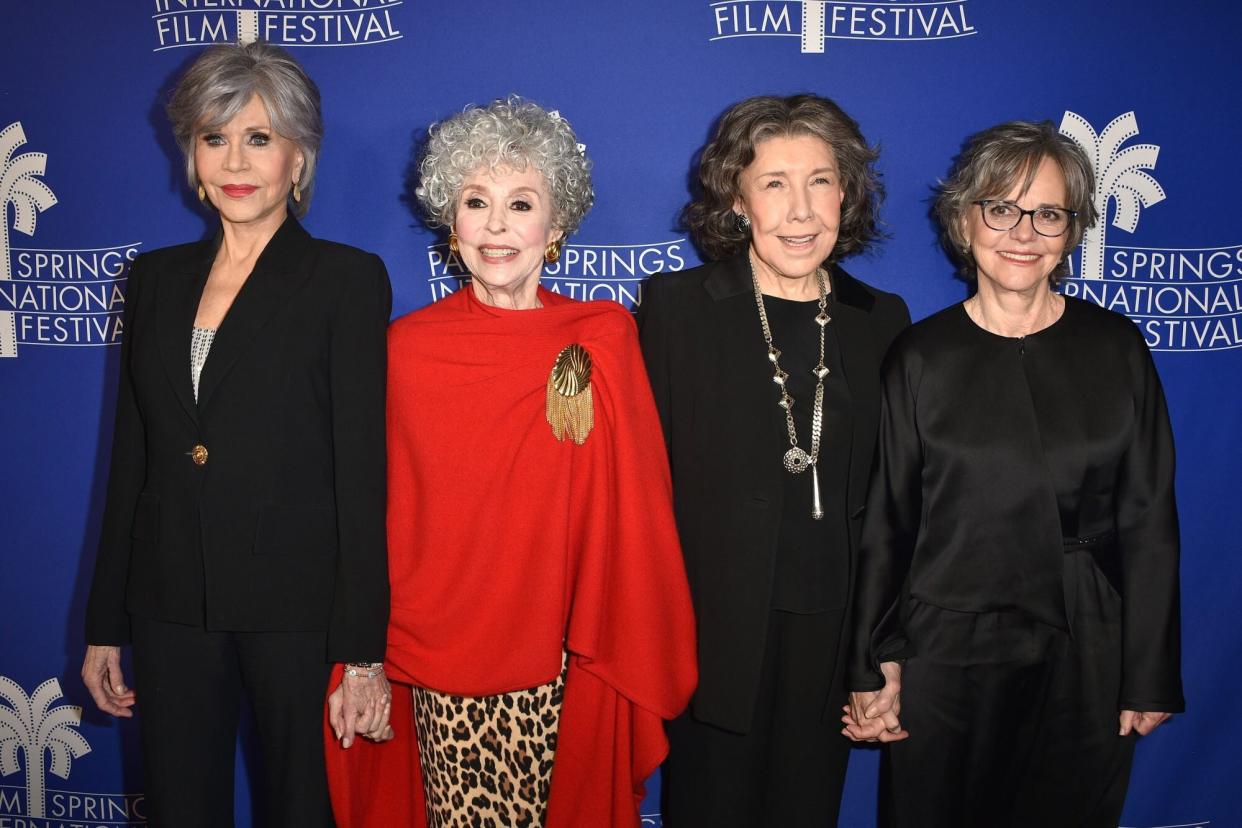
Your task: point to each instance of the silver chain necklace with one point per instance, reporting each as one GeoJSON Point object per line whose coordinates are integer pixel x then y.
{"type": "Point", "coordinates": [796, 459]}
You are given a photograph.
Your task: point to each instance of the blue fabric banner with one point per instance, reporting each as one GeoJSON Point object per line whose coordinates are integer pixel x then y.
{"type": "Point", "coordinates": [90, 178]}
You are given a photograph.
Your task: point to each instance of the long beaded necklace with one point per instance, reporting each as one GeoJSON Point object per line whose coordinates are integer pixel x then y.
{"type": "Point", "coordinates": [796, 460]}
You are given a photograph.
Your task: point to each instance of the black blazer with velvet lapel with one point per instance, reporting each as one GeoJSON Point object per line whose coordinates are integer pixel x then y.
{"type": "Point", "coordinates": [282, 528]}
{"type": "Point", "coordinates": [713, 387]}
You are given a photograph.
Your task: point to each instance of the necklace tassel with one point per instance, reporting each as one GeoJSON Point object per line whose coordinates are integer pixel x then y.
{"type": "Point", "coordinates": [817, 510]}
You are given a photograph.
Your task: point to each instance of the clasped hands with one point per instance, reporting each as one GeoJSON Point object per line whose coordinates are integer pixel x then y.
{"type": "Point", "coordinates": [361, 706]}
{"type": "Point", "coordinates": [873, 715]}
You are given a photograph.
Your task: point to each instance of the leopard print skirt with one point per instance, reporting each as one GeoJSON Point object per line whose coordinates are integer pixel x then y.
{"type": "Point", "coordinates": [487, 761]}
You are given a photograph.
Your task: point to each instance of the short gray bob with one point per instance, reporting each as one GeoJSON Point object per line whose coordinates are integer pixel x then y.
{"type": "Point", "coordinates": [221, 82]}
{"type": "Point", "coordinates": [504, 134]}
{"type": "Point", "coordinates": [1002, 157]}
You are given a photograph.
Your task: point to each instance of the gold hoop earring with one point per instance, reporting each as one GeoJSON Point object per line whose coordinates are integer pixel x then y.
{"type": "Point", "coordinates": [454, 247]}
{"type": "Point", "coordinates": [202, 194]}
{"type": "Point", "coordinates": [297, 192]}
{"type": "Point", "coordinates": [552, 253]}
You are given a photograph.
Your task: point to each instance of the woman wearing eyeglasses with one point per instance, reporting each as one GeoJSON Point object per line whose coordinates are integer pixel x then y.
{"type": "Point", "coordinates": [1017, 621]}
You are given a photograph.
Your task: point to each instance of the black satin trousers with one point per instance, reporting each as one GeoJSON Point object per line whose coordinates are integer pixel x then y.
{"type": "Point", "coordinates": [1013, 723]}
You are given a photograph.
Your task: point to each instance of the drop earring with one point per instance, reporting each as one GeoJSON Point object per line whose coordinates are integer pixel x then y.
{"type": "Point", "coordinates": [552, 253]}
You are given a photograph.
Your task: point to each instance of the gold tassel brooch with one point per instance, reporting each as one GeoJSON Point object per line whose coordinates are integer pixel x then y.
{"type": "Point", "coordinates": [570, 408]}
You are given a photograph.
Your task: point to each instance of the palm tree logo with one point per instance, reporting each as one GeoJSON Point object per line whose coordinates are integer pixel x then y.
{"type": "Point", "coordinates": [30, 724]}
{"type": "Point", "coordinates": [1119, 177]}
{"type": "Point", "coordinates": [21, 187]}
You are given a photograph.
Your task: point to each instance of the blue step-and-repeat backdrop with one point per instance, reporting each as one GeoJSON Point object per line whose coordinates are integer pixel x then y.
{"type": "Point", "coordinates": [89, 178]}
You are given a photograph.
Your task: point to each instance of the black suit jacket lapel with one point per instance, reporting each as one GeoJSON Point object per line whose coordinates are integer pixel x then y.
{"type": "Point", "coordinates": [177, 293]}
{"type": "Point", "coordinates": [860, 363]}
{"type": "Point", "coordinates": [278, 274]}
{"type": "Point", "coordinates": [744, 354]}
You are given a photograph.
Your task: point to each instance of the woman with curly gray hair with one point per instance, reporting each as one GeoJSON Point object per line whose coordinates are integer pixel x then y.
{"type": "Point", "coordinates": [511, 183]}
{"type": "Point", "coordinates": [1017, 604]}
{"type": "Point", "coordinates": [242, 551]}
{"type": "Point", "coordinates": [765, 364]}
{"type": "Point", "coordinates": [540, 608]}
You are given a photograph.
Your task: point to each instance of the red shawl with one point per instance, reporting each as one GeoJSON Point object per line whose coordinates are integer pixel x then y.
{"type": "Point", "coordinates": [506, 545]}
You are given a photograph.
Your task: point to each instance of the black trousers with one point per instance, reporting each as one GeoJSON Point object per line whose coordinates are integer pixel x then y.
{"type": "Point", "coordinates": [1013, 723]}
{"type": "Point", "coordinates": [789, 768]}
{"type": "Point", "coordinates": [190, 684]}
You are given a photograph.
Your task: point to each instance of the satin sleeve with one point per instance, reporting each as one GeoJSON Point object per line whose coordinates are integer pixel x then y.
{"type": "Point", "coordinates": [891, 526]}
{"type": "Point", "coordinates": [1148, 541]}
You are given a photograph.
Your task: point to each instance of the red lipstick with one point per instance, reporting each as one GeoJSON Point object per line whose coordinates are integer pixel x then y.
{"type": "Point", "coordinates": [238, 190]}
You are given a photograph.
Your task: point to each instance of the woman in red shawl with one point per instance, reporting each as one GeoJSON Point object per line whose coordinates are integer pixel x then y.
{"type": "Point", "coordinates": [539, 602]}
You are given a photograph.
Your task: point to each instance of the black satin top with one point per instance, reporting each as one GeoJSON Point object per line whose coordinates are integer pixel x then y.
{"type": "Point", "coordinates": [996, 456]}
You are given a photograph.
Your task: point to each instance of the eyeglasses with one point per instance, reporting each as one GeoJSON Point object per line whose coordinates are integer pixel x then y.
{"type": "Point", "coordinates": [1005, 215]}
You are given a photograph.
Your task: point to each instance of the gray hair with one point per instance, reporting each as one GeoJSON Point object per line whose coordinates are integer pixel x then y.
{"type": "Point", "coordinates": [1008, 155]}
{"type": "Point", "coordinates": [510, 133]}
{"type": "Point", "coordinates": [745, 125]}
{"type": "Point", "coordinates": [222, 81]}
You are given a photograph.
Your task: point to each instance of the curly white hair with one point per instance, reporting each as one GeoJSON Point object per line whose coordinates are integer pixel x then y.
{"type": "Point", "coordinates": [511, 134]}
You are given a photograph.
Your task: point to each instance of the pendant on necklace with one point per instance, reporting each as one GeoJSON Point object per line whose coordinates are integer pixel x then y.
{"type": "Point", "coordinates": [797, 460]}
{"type": "Point", "coordinates": [817, 509]}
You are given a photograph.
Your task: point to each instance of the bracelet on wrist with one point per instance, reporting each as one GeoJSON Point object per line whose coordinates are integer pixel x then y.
{"type": "Point", "coordinates": [364, 669]}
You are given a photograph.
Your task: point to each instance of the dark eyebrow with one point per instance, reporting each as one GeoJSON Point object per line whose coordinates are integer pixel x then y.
{"type": "Point", "coordinates": [785, 174]}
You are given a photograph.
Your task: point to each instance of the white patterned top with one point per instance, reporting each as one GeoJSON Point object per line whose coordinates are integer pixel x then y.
{"type": "Point", "coordinates": [200, 345]}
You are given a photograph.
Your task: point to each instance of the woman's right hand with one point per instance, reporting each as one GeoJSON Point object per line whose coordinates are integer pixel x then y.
{"type": "Point", "coordinates": [873, 715]}
{"type": "Point", "coordinates": [101, 673]}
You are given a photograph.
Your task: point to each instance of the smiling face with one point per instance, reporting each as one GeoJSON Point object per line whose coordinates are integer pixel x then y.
{"type": "Point", "coordinates": [247, 168]}
{"type": "Point", "coordinates": [1019, 259]}
{"type": "Point", "coordinates": [503, 225]}
{"type": "Point", "coordinates": [792, 195]}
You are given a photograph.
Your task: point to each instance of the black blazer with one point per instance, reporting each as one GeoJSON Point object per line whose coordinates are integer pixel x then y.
{"type": "Point", "coordinates": [281, 527]}
{"type": "Point", "coordinates": [713, 387]}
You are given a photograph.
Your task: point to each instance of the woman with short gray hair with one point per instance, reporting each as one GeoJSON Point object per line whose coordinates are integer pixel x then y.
{"type": "Point", "coordinates": [1017, 605]}
{"type": "Point", "coordinates": [540, 612]}
{"type": "Point", "coordinates": [242, 551]}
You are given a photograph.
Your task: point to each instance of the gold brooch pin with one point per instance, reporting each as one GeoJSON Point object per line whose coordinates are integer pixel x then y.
{"type": "Point", "coordinates": [570, 408]}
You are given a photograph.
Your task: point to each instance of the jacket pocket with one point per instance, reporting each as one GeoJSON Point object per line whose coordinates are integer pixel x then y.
{"type": "Point", "coordinates": [146, 524]}
{"type": "Point", "coordinates": [295, 530]}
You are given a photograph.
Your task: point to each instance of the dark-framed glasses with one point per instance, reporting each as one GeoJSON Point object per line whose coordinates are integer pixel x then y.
{"type": "Point", "coordinates": [1005, 215]}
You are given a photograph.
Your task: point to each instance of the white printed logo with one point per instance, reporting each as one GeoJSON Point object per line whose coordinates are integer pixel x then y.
{"type": "Point", "coordinates": [1119, 179]}
{"type": "Point", "coordinates": [68, 297]}
{"type": "Point", "coordinates": [822, 20]}
{"type": "Point", "coordinates": [584, 272]}
{"type": "Point", "coordinates": [21, 187]}
{"type": "Point", "coordinates": [285, 23]}
{"type": "Point", "coordinates": [31, 725]}
{"type": "Point", "coordinates": [46, 738]}
{"type": "Point", "coordinates": [1182, 298]}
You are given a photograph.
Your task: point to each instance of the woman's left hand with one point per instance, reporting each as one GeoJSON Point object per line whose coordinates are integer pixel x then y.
{"type": "Point", "coordinates": [361, 706]}
{"type": "Point", "coordinates": [1144, 723]}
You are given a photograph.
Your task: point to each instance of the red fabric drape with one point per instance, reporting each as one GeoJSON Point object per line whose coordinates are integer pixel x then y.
{"type": "Point", "coordinates": [506, 546]}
